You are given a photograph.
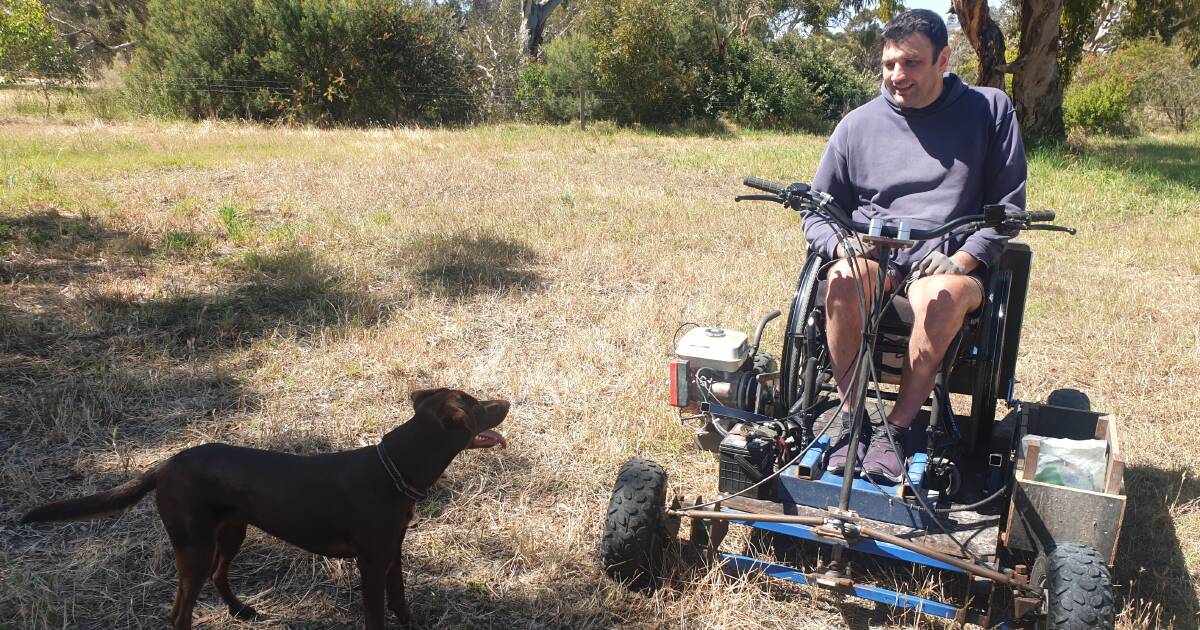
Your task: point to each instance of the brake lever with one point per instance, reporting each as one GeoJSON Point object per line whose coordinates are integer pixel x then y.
{"type": "Point", "coordinates": [775, 198]}
{"type": "Point", "coordinates": [1052, 228]}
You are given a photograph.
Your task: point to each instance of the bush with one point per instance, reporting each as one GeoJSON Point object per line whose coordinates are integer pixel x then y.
{"type": "Point", "coordinates": [1144, 81]}
{"type": "Point", "coordinates": [754, 87]}
{"type": "Point", "coordinates": [1103, 105]}
{"type": "Point", "coordinates": [323, 61]}
{"type": "Point", "coordinates": [647, 58]}
{"type": "Point", "coordinates": [549, 91]}
{"type": "Point", "coordinates": [830, 72]}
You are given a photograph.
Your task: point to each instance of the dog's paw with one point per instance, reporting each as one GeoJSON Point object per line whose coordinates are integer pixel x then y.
{"type": "Point", "coordinates": [244, 613]}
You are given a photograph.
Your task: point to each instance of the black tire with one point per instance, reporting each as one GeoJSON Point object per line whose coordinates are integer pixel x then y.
{"type": "Point", "coordinates": [1079, 588]}
{"type": "Point", "coordinates": [1069, 398]}
{"type": "Point", "coordinates": [794, 354]}
{"type": "Point", "coordinates": [635, 531]}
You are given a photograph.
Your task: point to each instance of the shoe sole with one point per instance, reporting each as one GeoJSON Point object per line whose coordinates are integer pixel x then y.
{"type": "Point", "coordinates": [879, 475]}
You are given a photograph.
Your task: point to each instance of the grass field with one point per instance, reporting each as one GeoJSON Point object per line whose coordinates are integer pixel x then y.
{"type": "Point", "coordinates": [169, 284]}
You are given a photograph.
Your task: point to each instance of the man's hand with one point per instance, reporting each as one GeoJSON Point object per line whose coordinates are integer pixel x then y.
{"type": "Point", "coordinates": [938, 263]}
{"type": "Point", "coordinates": [853, 247]}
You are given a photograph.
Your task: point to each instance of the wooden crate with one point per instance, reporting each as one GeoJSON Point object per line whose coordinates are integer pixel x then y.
{"type": "Point", "coordinates": [1042, 515]}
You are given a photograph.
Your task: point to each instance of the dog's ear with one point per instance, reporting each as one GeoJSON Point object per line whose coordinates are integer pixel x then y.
{"type": "Point", "coordinates": [418, 395]}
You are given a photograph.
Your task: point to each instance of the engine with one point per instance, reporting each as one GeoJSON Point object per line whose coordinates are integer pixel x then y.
{"type": "Point", "coordinates": [719, 366]}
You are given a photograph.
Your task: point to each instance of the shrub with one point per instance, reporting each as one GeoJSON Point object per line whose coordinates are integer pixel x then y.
{"type": "Point", "coordinates": [549, 91]}
{"type": "Point", "coordinates": [647, 58]}
{"type": "Point", "coordinates": [324, 61]}
{"type": "Point", "coordinates": [1099, 106]}
{"type": "Point", "coordinates": [1146, 80]}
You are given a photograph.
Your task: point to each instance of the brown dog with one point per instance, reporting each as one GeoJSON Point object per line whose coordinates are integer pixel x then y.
{"type": "Point", "coordinates": [354, 504]}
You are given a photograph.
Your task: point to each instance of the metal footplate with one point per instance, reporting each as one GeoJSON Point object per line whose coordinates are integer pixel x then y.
{"type": "Point", "coordinates": [807, 483]}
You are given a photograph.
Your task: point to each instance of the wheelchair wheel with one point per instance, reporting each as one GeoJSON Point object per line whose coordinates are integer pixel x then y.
{"type": "Point", "coordinates": [799, 373]}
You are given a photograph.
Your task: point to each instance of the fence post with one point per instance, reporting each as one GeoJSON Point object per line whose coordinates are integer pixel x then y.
{"type": "Point", "coordinates": [582, 123]}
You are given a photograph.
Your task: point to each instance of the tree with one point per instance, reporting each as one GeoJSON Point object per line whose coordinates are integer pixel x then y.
{"type": "Point", "coordinates": [1037, 86]}
{"type": "Point", "coordinates": [534, 14]}
{"type": "Point", "coordinates": [985, 37]}
{"type": "Point", "coordinates": [1172, 21]}
{"type": "Point", "coordinates": [96, 30]}
{"type": "Point", "coordinates": [30, 48]}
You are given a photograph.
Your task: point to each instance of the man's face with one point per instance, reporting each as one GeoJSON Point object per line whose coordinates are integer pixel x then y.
{"type": "Point", "coordinates": [911, 72]}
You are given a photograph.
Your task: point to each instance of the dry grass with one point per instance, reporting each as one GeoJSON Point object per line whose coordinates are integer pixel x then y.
{"type": "Point", "coordinates": [172, 284]}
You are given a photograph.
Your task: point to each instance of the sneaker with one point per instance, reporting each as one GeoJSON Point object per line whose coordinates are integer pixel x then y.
{"type": "Point", "coordinates": [840, 449]}
{"type": "Point", "coordinates": [885, 457]}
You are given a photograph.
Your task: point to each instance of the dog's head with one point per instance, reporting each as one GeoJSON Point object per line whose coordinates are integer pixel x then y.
{"type": "Point", "coordinates": [462, 416]}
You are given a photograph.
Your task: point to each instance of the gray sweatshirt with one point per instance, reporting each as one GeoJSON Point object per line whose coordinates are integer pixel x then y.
{"type": "Point", "coordinates": [927, 165]}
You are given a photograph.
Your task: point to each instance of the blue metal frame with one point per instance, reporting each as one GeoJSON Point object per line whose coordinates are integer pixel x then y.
{"type": "Point", "coordinates": [865, 591]}
{"type": "Point", "coordinates": [873, 547]}
{"type": "Point", "coordinates": [873, 593]}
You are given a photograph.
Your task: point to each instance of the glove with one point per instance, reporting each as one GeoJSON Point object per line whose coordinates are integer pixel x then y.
{"type": "Point", "coordinates": [938, 263]}
{"type": "Point", "coordinates": [852, 247]}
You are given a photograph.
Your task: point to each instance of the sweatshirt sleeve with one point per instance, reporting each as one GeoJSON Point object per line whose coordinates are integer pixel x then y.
{"type": "Point", "coordinates": [1006, 172]}
{"type": "Point", "coordinates": [833, 177]}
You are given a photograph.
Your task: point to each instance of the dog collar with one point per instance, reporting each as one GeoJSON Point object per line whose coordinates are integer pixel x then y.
{"type": "Point", "coordinates": [402, 485]}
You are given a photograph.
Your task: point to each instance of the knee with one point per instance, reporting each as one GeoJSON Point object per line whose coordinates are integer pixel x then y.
{"type": "Point", "coordinates": [847, 284]}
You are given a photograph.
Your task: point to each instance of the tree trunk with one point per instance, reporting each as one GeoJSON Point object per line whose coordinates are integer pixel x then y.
{"type": "Point", "coordinates": [534, 14]}
{"type": "Point", "coordinates": [1037, 88]}
{"type": "Point", "coordinates": [985, 37]}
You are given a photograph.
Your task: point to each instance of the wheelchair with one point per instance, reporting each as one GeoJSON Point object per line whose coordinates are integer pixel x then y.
{"type": "Point", "coordinates": [980, 364]}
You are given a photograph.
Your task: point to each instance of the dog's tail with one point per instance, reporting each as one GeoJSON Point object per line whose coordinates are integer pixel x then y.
{"type": "Point", "coordinates": [119, 498]}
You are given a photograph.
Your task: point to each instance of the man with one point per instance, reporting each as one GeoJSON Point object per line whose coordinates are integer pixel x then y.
{"type": "Point", "coordinates": [927, 149]}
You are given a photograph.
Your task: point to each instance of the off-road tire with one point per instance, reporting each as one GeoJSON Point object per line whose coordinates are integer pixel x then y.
{"type": "Point", "coordinates": [1077, 582]}
{"type": "Point", "coordinates": [1069, 398]}
{"type": "Point", "coordinates": [634, 528]}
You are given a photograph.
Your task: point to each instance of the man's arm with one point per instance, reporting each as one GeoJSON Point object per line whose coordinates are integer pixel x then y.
{"type": "Point", "coordinates": [1005, 172]}
{"type": "Point", "coordinates": [833, 177]}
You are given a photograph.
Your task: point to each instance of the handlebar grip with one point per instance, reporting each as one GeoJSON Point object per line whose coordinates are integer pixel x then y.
{"type": "Point", "coordinates": [1047, 215]}
{"type": "Point", "coordinates": [764, 185]}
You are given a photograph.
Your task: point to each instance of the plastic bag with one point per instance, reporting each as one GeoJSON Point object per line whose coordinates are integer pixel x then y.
{"type": "Point", "coordinates": [1071, 463]}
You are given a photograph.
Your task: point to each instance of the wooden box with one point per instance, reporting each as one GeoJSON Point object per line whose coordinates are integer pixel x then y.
{"type": "Point", "coordinates": [1041, 514]}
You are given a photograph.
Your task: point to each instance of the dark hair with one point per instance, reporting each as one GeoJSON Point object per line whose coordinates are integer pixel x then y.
{"type": "Point", "coordinates": [921, 21]}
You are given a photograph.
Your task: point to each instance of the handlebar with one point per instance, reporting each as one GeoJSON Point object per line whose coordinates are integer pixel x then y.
{"type": "Point", "coordinates": [802, 197]}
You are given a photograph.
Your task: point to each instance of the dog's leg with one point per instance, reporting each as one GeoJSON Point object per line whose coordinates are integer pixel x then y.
{"type": "Point", "coordinates": [374, 577]}
{"type": "Point", "coordinates": [193, 540]}
{"type": "Point", "coordinates": [229, 539]}
{"type": "Point", "coordinates": [193, 561]}
{"type": "Point", "coordinates": [395, 586]}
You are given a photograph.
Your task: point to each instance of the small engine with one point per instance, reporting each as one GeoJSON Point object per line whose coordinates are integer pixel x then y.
{"type": "Point", "coordinates": [717, 365]}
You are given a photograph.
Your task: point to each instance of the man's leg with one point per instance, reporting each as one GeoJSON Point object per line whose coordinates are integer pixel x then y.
{"type": "Point", "coordinates": [845, 300]}
{"type": "Point", "coordinates": [849, 293]}
{"type": "Point", "coordinates": [939, 303]}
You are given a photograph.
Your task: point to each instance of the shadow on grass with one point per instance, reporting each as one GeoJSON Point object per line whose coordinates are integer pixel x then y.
{"type": "Point", "coordinates": [83, 359]}
{"type": "Point", "coordinates": [1160, 161]}
{"type": "Point", "coordinates": [463, 265]}
{"type": "Point", "coordinates": [1150, 562]}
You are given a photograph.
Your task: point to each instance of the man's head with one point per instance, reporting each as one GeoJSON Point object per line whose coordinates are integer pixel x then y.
{"type": "Point", "coordinates": [915, 56]}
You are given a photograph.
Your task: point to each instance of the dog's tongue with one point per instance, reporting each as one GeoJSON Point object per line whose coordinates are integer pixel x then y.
{"type": "Point", "coordinates": [488, 439]}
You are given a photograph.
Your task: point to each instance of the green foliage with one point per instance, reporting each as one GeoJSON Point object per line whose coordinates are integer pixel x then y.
{"type": "Point", "coordinates": [549, 91]}
{"type": "Point", "coordinates": [1166, 83]}
{"type": "Point", "coordinates": [1174, 22]}
{"type": "Point", "coordinates": [1102, 105]}
{"type": "Point", "coordinates": [323, 61]}
{"type": "Point", "coordinates": [1146, 83]}
{"type": "Point", "coordinates": [647, 58]}
{"type": "Point", "coordinates": [30, 48]}
{"type": "Point", "coordinates": [830, 71]}
{"type": "Point", "coordinates": [668, 61]}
